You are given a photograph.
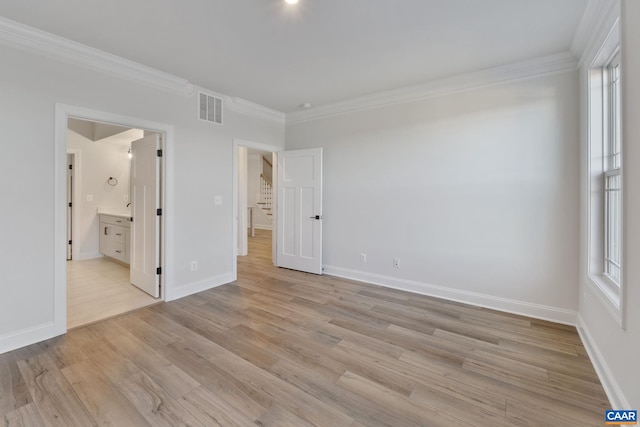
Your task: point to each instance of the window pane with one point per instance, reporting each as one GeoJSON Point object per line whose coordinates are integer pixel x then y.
{"type": "Point", "coordinates": [613, 225]}
{"type": "Point", "coordinates": [613, 149]}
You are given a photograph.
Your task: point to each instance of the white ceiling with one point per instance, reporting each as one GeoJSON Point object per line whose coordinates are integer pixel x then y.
{"type": "Point", "coordinates": [319, 51]}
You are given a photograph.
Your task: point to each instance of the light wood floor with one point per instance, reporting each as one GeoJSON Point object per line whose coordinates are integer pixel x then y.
{"type": "Point", "coordinates": [98, 289]}
{"type": "Point", "coordinates": [283, 348]}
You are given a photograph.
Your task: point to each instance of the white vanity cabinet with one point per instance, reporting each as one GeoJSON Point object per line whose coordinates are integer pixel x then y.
{"type": "Point", "coordinates": [115, 237]}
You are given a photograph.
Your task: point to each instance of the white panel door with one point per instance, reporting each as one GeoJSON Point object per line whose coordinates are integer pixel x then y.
{"type": "Point", "coordinates": [299, 224]}
{"type": "Point", "coordinates": [145, 228]}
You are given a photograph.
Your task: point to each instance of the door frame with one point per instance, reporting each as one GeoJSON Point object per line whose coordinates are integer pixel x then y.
{"type": "Point", "coordinates": [237, 143]}
{"type": "Point", "coordinates": [75, 212]}
{"type": "Point", "coordinates": [62, 114]}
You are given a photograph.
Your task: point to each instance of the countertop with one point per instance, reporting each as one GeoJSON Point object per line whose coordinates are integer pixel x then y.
{"type": "Point", "coordinates": [114, 212]}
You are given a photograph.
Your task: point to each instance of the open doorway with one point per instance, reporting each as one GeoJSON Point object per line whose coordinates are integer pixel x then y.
{"type": "Point", "coordinates": [259, 199]}
{"type": "Point", "coordinates": [295, 205]}
{"type": "Point", "coordinates": [102, 247]}
{"type": "Point", "coordinates": [255, 170]}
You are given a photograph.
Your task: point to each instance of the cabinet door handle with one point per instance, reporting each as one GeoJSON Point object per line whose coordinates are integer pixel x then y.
{"type": "Point", "coordinates": [118, 234]}
{"type": "Point", "coordinates": [105, 231]}
{"type": "Point", "coordinates": [118, 252]}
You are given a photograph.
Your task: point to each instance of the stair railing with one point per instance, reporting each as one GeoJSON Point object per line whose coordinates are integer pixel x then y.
{"type": "Point", "coordinates": [266, 195]}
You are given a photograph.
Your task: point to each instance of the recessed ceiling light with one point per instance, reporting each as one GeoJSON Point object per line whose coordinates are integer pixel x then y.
{"type": "Point", "coordinates": [291, 1]}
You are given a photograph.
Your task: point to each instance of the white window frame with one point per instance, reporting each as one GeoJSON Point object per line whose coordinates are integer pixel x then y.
{"type": "Point", "coordinates": [612, 172]}
{"type": "Point", "coordinates": [605, 260]}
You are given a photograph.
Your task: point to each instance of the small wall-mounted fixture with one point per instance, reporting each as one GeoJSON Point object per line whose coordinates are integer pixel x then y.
{"type": "Point", "coordinates": [129, 154]}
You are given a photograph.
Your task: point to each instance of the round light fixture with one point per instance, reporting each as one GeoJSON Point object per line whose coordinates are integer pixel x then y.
{"type": "Point", "coordinates": [291, 1]}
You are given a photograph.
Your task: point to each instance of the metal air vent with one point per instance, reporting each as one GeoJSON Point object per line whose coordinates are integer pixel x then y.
{"type": "Point", "coordinates": [210, 108]}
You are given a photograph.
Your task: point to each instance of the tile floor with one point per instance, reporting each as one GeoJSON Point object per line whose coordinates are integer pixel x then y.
{"type": "Point", "coordinates": [98, 289]}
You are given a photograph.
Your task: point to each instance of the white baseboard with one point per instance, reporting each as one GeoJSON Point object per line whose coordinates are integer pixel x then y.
{"type": "Point", "coordinates": [538, 311]}
{"type": "Point", "coordinates": [611, 387]}
{"type": "Point", "coordinates": [46, 331]}
{"type": "Point", "coordinates": [174, 293]}
{"type": "Point", "coordinates": [262, 227]}
{"type": "Point", "coordinates": [26, 337]}
{"type": "Point", "coordinates": [89, 255]}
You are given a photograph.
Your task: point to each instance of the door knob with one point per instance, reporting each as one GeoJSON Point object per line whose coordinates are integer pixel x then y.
{"type": "Point", "coordinates": [316, 217]}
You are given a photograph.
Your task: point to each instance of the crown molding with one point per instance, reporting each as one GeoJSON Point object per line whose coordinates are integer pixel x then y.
{"type": "Point", "coordinates": [33, 40]}
{"type": "Point", "coordinates": [589, 17]}
{"type": "Point", "coordinates": [242, 106]}
{"type": "Point", "coordinates": [597, 21]}
{"type": "Point", "coordinates": [247, 108]}
{"type": "Point", "coordinates": [24, 37]}
{"type": "Point", "coordinates": [546, 65]}
{"type": "Point", "coordinates": [542, 66]}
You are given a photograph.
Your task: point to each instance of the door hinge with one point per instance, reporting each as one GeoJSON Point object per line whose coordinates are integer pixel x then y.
{"type": "Point", "coordinates": [159, 211]}
{"type": "Point", "coordinates": [69, 241]}
{"type": "Point", "coordinates": [70, 204]}
{"type": "Point", "coordinates": [131, 219]}
{"type": "Point", "coordinates": [159, 153]}
{"type": "Point", "coordinates": [159, 270]}
{"type": "Point", "coordinates": [70, 167]}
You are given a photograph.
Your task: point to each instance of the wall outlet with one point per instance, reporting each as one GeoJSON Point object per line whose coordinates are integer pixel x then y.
{"type": "Point", "coordinates": [194, 265]}
{"type": "Point", "coordinates": [363, 258]}
{"type": "Point", "coordinates": [125, 197]}
{"type": "Point", "coordinates": [396, 262]}
{"type": "Point", "coordinates": [217, 200]}
{"type": "Point", "coordinates": [89, 197]}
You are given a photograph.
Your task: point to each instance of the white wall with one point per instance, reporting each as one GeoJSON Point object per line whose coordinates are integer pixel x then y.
{"type": "Point", "coordinates": [475, 192]}
{"type": "Point", "coordinates": [253, 185]}
{"type": "Point", "coordinates": [614, 350]}
{"type": "Point", "coordinates": [200, 167]}
{"type": "Point", "coordinates": [96, 162]}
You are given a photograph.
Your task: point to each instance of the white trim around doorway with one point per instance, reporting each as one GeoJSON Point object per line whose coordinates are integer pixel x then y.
{"type": "Point", "coordinates": [237, 143]}
{"type": "Point", "coordinates": [62, 114]}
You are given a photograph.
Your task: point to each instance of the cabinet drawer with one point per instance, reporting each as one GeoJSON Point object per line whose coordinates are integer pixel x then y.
{"type": "Point", "coordinates": [115, 220]}
{"type": "Point", "coordinates": [121, 221]}
{"type": "Point", "coordinates": [119, 234]}
{"type": "Point", "coordinates": [119, 251]}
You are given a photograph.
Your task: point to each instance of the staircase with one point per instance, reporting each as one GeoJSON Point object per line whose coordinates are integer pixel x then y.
{"type": "Point", "coordinates": [266, 189]}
